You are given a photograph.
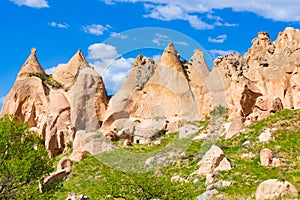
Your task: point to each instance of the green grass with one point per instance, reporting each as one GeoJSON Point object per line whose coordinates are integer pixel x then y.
{"type": "Point", "coordinates": [94, 178]}
{"type": "Point", "coordinates": [247, 173]}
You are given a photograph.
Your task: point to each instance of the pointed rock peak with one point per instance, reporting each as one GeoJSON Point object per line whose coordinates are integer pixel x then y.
{"type": "Point", "coordinates": [33, 51]}
{"type": "Point", "coordinates": [67, 73]}
{"type": "Point", "coordinates": [170, 57]}
{"type": "Point", "coordinates": [171, 49]}
{"type": "Point", "coordinates": [79, 59]}
{"type": "Point", "coordinates": [199, 63]}
{"type": "Point", "coordinates": [31, 65]}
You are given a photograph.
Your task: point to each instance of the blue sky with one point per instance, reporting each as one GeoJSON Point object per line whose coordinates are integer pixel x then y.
{"type": "Point", "coordinates": [111, 33]}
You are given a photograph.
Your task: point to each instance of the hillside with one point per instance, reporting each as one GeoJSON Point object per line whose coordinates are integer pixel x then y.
{"type": "Point", "coordinates": [98, 181]}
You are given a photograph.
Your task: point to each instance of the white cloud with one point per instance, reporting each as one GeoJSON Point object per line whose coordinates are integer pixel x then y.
{"type": "Point", "coordinates": [58, 25]}
{"type": "Point", "coordinates": [32, 3]}
{"type": "Point", "coordinates": [101, 51]}
{"type": "Point", "coordinates": [107, 61]}
{"type": "Point", "coordinates": [51, 69]}
{"type": "Point", "coordinates": [216, 52]}
{"type": "Point", "coordinates": [163, 40]}
{"type": "Point", "coordinates": [218, 39]}
{"type": "Point", "coordinates": [278, 10]}
{"type": "Point", "coordinates": [156, 41]}
{"type": "Point", "coordinates": [159, 35]}
{"type": "Point", "coordinates": [2, 100]}
{"type": "Point", "coordinates": [169, 12]}
{"type": "Point", "coordinates": [181, 43]}
{"type": "Point", "coordinates": [95, 29]}
{"type": "Point", "coordinates": [118, 35]}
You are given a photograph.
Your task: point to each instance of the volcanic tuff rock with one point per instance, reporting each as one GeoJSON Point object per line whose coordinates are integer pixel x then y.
{"type": "Point", "coordinates": [252, 86]}
{"type": "Point", "coordinates": [265, 79]}
{"type": "Point", "coordinates": [55, 111]}
{"type": "Point", "coordinates": [167, 90]}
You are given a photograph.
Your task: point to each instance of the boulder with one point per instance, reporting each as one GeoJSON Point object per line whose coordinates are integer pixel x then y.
{"type": "Point", "coordinates": [265, 136]}
{"type": "Point", "coordinates": [210, 194]}
{"type": "Point", "coordinates": [214, 160]}
{"type": "Point", "coordinates": [73, 196]}
{"type": "Point", "coordinates": [91, 142]}
{"type": "Point", "coordinates": [275, 189]}
{"type": "Point", "coordinates": [55, 176]}
{"type": "Point", "coordinates": [64, 163]}
{"type": "Point", "coordinates": [268, 160]}
{"type": "Point", "coordinates": [187, 130]}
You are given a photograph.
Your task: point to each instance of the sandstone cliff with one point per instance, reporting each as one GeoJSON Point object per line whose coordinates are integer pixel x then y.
{"type": "Point", "coordinates": [265, 79]}
{"type": "Point", "coordinates": [55, 106]}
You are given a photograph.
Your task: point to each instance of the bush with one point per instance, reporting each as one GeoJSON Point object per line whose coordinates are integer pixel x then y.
{"type": "Point", "coordinates": [23, 160]}
{"type": "Point", "coordinates": [48, 80]}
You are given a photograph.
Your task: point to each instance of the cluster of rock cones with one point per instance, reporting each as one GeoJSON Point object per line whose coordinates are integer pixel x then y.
{"type": "Point", "coordinates": [158, 95]}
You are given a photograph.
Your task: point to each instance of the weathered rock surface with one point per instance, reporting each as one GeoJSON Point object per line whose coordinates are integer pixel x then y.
{"type": "Point", "coordinates": [67, 73]}
{"type": "Point", "coordinates": [56, 112]}
{"type": "Point", "coordinates": [89, 100]}
{"type": "Point", "coordinates": [55, 176]}
{"type": "Point", "coordinates": [268, 160]}
{"type": "Point", "coordinates": [265, 79]}
{"type": "Point", "coordinates": [73, 196]}
{"type": "Point", "coordinates": [92, 142]}
{"type": "Point", "coordinates": [164, 90]}
{"type": "Point", "coordinates": [214, 160]}
{"type": "Point", "coordinates": [64, 163]}
{"type": "Point", "coordinates": [210, 194]}
{"type": "Point", "coordinates": [275, 189]}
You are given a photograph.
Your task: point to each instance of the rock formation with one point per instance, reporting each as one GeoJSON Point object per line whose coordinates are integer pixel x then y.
{"type": "Point", "coordinates": [252, 86]}
{"type": "Point", "coordinates": [166, 91]}
{"type": "Point", "coordinates": [52, 105]}
{"type": "Point", "coordinates": [214, 160]}
{"type": "Point", "coordinates": [265, 79]}
{"type": "Point", "coordinates": [157, 96]}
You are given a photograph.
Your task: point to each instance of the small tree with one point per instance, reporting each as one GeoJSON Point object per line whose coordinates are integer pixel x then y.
{"type": "Point", "coordinates": [23, 159]}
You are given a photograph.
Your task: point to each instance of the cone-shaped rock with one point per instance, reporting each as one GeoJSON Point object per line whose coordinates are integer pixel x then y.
{"type": "Point", "coordinates": [66, 73]}
{"type": "Point", "coordinates": [153, 91]}
{"type": "Point", "coordinates": [171, 59]}
{"type": "Point", "coordinates": [55, 113]}
{"type": "Point", "coordinates": [31, 65]}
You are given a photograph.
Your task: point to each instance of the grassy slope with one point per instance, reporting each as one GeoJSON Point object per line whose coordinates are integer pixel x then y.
{"type": "Point", "coordinates": [98, 181]}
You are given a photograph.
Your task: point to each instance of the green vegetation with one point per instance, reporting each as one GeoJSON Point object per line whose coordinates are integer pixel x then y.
{"type": "Point", "coordinates": [247, 173]}
{"type": "Point", "coordinates": [23, 160]}
{"type": "Point", "coordinates": [48, 80]}
{"type": "Point", "coordinates": [99, 179]}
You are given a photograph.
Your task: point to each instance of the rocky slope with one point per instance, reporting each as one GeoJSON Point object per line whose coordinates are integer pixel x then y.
{"type": "Point", "coordinates": [52, 105]}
